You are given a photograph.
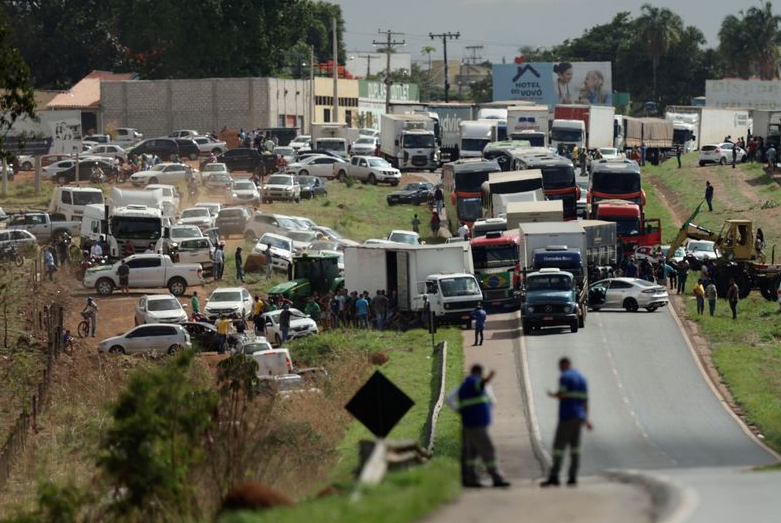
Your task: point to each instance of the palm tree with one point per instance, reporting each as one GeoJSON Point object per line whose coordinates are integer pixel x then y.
{"type": "Point", "coordinates": [659, 29]}
{"type": "Point", "coordinates": [735, 46]}
{"type": "Point", "coordinates": [764, 34]}
{"type": "Point", "coordinates": [428, 50]}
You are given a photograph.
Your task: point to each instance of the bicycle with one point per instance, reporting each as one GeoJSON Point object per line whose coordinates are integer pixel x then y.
{"type": "Point", "coordinates": [84, 326]}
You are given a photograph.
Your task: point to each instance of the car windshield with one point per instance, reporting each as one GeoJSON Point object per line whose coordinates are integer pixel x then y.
{"type": "Point", "coordinates": [136, 228]}
{"type": "Point", "coordinates": [566, 135]}
{"type": "Point", "coordinates": [486, 256]}
{"type": "Point", "coordinates": [163, 305]}
{"type": "Point", "coordinates": [158, 167]}
{"type": "Point", "coordinates": [331, 233]}
{"type": "Point", "coordinates": [469, 209]}
{"type": "Point", "coordinates": [231, 213]}
{"type": "Point", "coordinates": [701, 246]}
{"type": "Point", "coordinates": [473, 144]}
{"type": "Point", "coordinates": [185, 232]}
{"type": "Point", "coordinates": [608, 151]}
{"type": "Point", "coordinates": [280, 180]}
{"type": "Point", "coordinates": [223, 296]}
{"type": "Point", "coordinates": [378, 162]}
{"type": "Point", "coordinates": [404, 237]}
{"type": "Point", "coordinates": [365, 140]}
{"type": "Point", "coordinates": [86, 198]}
{"type": "Point", "coordinates": [615, 182]}
{"type": "Point", "coordinates": [243, 186]}
{"type": "Point", "coordinates": [306, 180]}
{"type": "Point", "coordinates": [460, 286]}
{"type": "Point", "coordinates": [624, 227]}
{"type": "Point", "coordinates": [212, 167]}
{"type": "Point", "coordinates": [195, 213]}
{"type": "Point", "coordinates": [557, 282]}
{"type": "Point", "coordinates": [219, 177]}
{"type": "Point", "coordinates": [301, 139]}
{"type": "Point", "coordinates": [273, 241]}
{"type": "Point", "coordinates": [331, 145]}
{"type": "Point", "coordinates": [249, 348]}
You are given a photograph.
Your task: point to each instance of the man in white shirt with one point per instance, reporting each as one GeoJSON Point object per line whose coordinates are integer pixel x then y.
{"type": "Point", "coordinates": [96, 251]}
{"type": "Point", "coordinates": [463, 231]}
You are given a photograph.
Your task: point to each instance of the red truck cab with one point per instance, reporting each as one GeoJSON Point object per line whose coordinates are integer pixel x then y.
{"type": "Point", "coordinates": [633, 228]}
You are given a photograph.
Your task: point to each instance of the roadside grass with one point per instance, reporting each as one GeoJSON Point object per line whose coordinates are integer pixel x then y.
{"type": "Point", "coordinates": [21, 195]}
{"type": "Point", "coordinates": [403, 496]}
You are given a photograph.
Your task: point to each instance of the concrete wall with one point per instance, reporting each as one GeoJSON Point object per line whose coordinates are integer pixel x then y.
{"type": "Point", "coordinates": [157, 107]}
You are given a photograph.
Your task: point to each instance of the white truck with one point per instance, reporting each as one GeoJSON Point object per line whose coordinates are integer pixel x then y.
{"type": "Point", "coordinates": [146, 271]}
{"type": "Point", "coordinates": [767, 125]}
{"type": "Point", "coordinates": [407, 141]}
{"type": "Point", "coordinates": [43, 226]}
{"type": "Point", "coordinates": [136, 224]}
{"type": "Point", "coordinates": [528, 212]}
{"type": "Point", "coordinates": [714, 124]}
{"type": "Point", "coordinates": [443, 275]}
{"type": "Point", "coordinates": [684, 129]}
{"type": "Point", "coordinates": [153, 199]}
{"type": "Point", "coordinates": [529, 122]}
{"type": "Point", "coordinates": [505, 187]}
{"type": "Point", "coordinates": [475, 135]}
{"type": "Point", "coordinates": [71, 201]}
{"type": "Point", "coordinates": [595, 130]}
{"type": "Point", "coordinates": [551, 236]}
{"type": "Point", "coordinates": [330, 137]}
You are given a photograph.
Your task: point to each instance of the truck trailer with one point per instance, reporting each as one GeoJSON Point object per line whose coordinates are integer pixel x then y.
{"type": "Point", "coordinates": [596, 131]}
{"type": "Point", "coordinates": [407, 141]}
{"type": "Point", "coordinates": [529, 122]}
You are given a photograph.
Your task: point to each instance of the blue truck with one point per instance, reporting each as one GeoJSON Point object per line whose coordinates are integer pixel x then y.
{"type": "Point", "coordinates": [550, 298]}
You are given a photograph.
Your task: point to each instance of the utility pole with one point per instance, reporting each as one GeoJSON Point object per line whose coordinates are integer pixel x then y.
{"type": "Point", "coordinates": [311, 87]}
{"type": "Point", "coordinates": [369, 59]}
{"type": "Point", "coordinates": [335, 116]}
{"type": "Point", "coordinates": [389, 44]}
{"type": "Point", "coordinates": [470, 60]}
{"type": "Point", "coordinates": [445, 37]}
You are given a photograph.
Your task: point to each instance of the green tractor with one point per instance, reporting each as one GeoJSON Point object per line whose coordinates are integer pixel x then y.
{"type": "Point", "coordinates": [312, 273]}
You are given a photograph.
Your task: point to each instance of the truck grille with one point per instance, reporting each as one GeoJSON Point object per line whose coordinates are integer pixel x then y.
{"type": "Point", "coordinates": [419, 160]}
{"type": "Point", "coordinates": [548, 308]}
{"type": "Point", "coordinates": [471, 304]}
{"type": "Point", "coordinates": [495, 295]}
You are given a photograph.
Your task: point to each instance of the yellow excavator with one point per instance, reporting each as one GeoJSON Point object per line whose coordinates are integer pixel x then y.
{"type": "Point", "coordinates": [740, 256]}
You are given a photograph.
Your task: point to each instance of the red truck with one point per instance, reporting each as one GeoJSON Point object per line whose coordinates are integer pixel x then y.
{"type": "Point", "coordinates": [496, 261]}
{"type": "Point", "coordinates": [633, 228]}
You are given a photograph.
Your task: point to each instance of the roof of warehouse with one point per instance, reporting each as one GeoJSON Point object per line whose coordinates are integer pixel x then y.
{"type": "Point", "coordinates": [86, 93]}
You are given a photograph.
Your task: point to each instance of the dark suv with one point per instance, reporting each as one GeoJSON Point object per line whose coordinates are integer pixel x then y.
{"type": "Point", "coordinates": [187, 148]}
{"type": "Point", "coordinates": [165, 148]}
{"type": "Point", "coordinates": [232, 220]}
{"type": "Point", "coordinates": [241, 159]}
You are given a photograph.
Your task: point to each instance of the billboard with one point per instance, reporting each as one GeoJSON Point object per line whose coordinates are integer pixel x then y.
{"type": "Point", "coordinates": [554, 83]}
{"type": "Point", "coordinates": [751, 94]}
{"type": "Point", "coordinates": [61, 127]}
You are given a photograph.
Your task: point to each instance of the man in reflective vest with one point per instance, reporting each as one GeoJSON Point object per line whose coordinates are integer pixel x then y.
{"type": "Point", "coordinates": [573, 414]}
{"type": "Point", "coordinates": [472, 400]}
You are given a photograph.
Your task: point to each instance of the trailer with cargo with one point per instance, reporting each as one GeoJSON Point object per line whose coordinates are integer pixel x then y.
{"type": "Point", "coordinates": [510, 186]}
{"type": "Point", "coordinates": [595, 131]}
{"type": "Point", "coordinates": [528, 212]}
{"type": "Point", "coordinates": [716, 124]}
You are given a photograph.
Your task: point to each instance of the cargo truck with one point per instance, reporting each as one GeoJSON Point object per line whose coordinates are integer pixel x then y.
{"type": "Point", "coordinates": [767, 125]}
{"type": "Point", "coordinates": [601, 248]}
{"type": "Point", "coordinates": [475, 135]}
{"type": "Point", "coordinates": [440, 275]}
{"type": "Point", "coordinates": [595, 131]}
{"type": "Point", "coordinates": [496, 261]}
{"type": "Point", "coordinates": [450, 116]}
{"type": "Point", "coordinates": [684, 130]}
{"type": "Point", "coordinates": [558, 179]}
{"type": "Point", "coordinates": [614, 180]}
{"type": "Point", "coordinates": [528, 212]}
{"type": "Point", "coordinates": [330, 137]}
{"type": "Point", "coordinates": [529, 122]}
{"type": "Point", "coordinates": [632, 227]}
{"type": "Point", "coordinates": [715, 124]}
{"type": "Point", "coordinates": [462, 182]}
{"type": "Point", "coordinates": [407, 141]}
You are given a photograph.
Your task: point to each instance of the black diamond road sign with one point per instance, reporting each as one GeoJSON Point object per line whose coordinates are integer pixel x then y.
{"type": "Point", "coordinates": [379, 405]}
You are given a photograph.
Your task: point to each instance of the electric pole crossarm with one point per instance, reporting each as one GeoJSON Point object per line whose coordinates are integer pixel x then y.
{"type": "Point", "coordinates": [389, 44]}
{"type": "Point", "coordinates": [445, 37]}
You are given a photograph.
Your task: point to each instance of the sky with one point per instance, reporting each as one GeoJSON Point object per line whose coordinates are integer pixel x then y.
{"type": "Point", "coordinates": [502, 26]}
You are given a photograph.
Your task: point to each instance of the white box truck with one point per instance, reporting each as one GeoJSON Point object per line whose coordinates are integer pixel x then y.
{"type": "Point", "coordinates": [713, 124]}
{"type": "Point", "coordinates": [442, 274]}
{"type": "Point", "coordinates": [408, 141]}
{"type": "Point", "coordinates": [331, 137]}
{"type": "Point", "coordinates": [598, 126]}
{"type": "Point", "coordinates": [529, 122]}
{"type": "Point", "coordinates": [539, 236]}
{"type": "Point", "coordinates": [475, 135]}
{"type": "Point", "coordinates": [527, 212]}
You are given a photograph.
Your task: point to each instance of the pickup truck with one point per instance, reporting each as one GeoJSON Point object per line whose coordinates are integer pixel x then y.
{"type": "Point", "coordinates": [368, 169]}
{"type": "Point", "coordinates": [146, 271]}
{"type": "Point", "coordinates": [43, 225]}
{"type": "Point", "coordinates": [550, 297]}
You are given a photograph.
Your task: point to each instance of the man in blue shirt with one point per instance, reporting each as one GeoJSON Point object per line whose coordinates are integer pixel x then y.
{"type": "Point", "coordinates": [362, 312]}
{"type": "Point", "coordinates": [573, 414]}
{"type": "Point", "coordinates": [479, 316]}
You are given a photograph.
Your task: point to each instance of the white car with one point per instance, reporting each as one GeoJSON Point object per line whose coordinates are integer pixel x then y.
{"type": "Point", "coordinates": [170, 197]}
{"type": "Point", "coordinates": [369, 169]}
{"type": "Point", "coordinates": [281, 249]}
{"type": "Point", "coordinates": [108, 151]}
{"type": "Point", "coordinates": [316, 165]}
{"type": "Point", "coordinates": [244, 191]}
{"type": "Point", "coordinates": [51, 170]}
{"type": "Point", "coordinates": [198, 216]}
{"type": "Point", "coordinates": [305, 224]}
{"type": "Point", "coordinates": [196, 250]}
{"type": "Point", "coordinates": [720, 153]}
{"type": "Point", "coordinates": [610, 153]}
{"type": "Point", "coordinates": [627, 293]}
{"type": "Point", "coordinates": [213, 168]}
{"type": "Point", "coordinates": [127, 136]}
{"type": "Point", "coordinates": [159, 337]}
{"type": "Point", "coordinates": [301, 141]}
{"type": "Point", "coordinates": [300, 325]}
{"type": "Point", "coordinates": [301, 239]}
{"type": "Point", "coordinates": [677, 256]}
{"type": "Point", "coordinates": [701, 250]}
{"type": "Point", "coordinates": [281, 187]}
{"type": "Point", "coordinates": [410, 237]}
{"type": "Point", "coordinates": [159, 308]}
{"type": "Point", "coordinates": [183, 232]}
{"type": "Point", "coordinates": [208, 145]}
{"type": "Point", "coordinates": [286, 152]}
{"type": "Point", "coordinates": [20, 239]}
{"type": "Point", "coordinates": [214, 208]}
{"type": "Point", "coordinates": [229, 300]}
{"type": "Point", "coordinates": [184, 133]}
{"type": "Point", "coordinates": [166, 173]}
{"type": "Point", "coordinates": [365, 145]}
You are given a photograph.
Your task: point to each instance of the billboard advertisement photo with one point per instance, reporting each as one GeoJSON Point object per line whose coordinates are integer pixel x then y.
{"type": "Point", "coordinates": [554, 83]}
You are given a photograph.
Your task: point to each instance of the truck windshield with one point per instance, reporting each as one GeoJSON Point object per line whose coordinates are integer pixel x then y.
{"type": "Point", "coordinates": [461, 286]}
{"type": "Point", "coordinates": [489, 256]}
{"type": "Point", "coordinates": [470, 181]}
{"type": "Point", "coordinates": [331, 145]}
{"type": "Point", "coordinates": [624, 226]}
{"type": "Point", "coordinates": [615, 183]}
{"type": "Point", "coordinates": [473, 144]}
{"type": "Point", "coordinates": [87, 198]}
{"type": "Point", "coordinates": [469, 209]}
{"type": "Point", "coordinates": [681, 136]}
{"type": "Point", "coordinates": [557, 282]}
{"type": "Point", "coordinates": [136, 228]}
{"type": "Point", "coordinates": [567, 135]}
{"type": "Point", "coordinates": [558, 177]}
{"type": "Point", "coordinates": [418, 141]}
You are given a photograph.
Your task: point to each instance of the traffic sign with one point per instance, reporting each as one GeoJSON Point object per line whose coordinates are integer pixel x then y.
{"type": "Point", "coordinates": [379, 405]}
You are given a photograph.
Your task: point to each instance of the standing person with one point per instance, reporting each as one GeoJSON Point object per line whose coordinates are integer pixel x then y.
{"type": "Point", "coordinates": [678, 151]}
{"type": "Point", "coordinates": [699, 293]}
{"type": "Point", "coordinates": [219, 262]}
{"type": "Point", "coordinates": [312, 309]}
{"type": "Point", "coordinates": [734, 155]}
{"type": "Point", "coordinates": [473, 400]}
{"type": "Point", "coordinates": [479, 315]}
{"type": "Point", "coordinates": [48, 261]}
{"type": "Point", "coordinates": [712, 293]}
{"type": "Point", "coordinates": [223, 328]}
{"type": "Point", "coordinates": [362, 311]}
{"type": "Point", "coordinates": [195, 304]}
{"type": "Point", "coordinates": [683, 273]}
{"type": "Point", "coordinates": [439, 199]}
{"type": "Point", "coordinates": [573, 414]}
{"type": "Point", "coordinates": [269, 262]}
{"type": "Point", "coordinates": [733, 295]}
{"type": "Point", "coordinates": [643, 150]}
{"type": "Point", "coordinates": [257, 315]}
{"type": "Point", "coordinates": [435, 223]}
{"type": "Point", "coordinates": [91, 310]}
{"type": "Point", "coordinates": [96, 251]}
{"type": "Point", "coordinates": [771, 158]}
{"type": "Point", "coordinates": [463, 231]}
{"type": "Point", "coordinates": [284, 322]}
{"type": "Point", "coordinates": [575, 154]}
{"type": "Point", "coordinates": [416, 223]}
{"type": "Point", "coordinates": [752, 149]}
{"type": "Point", "coordinates": [709, 196]}
{"type": "Point", "coordinates": [123, 271]}
{"type": "Point", "coordinates": [379, 306]}
{"type": "Point", "coordinates": [239, 265]}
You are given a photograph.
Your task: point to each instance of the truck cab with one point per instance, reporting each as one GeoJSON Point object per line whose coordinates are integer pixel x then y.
{"type": "Point", "coordinates": [312, 273]}
{"type": "Point", "coordinates": [71, 201]}
{"type": "Point", "coordinates": [496, 258]}
{"type": "Point", "coordinates": [451, 297]}
{"type": "Point", "coordinates": [550, 298]}
{"type": "Point", "coordinates": [615, 180]}
{"type": "Point", "coordinates": [632, 227]}
{"type": "Point", "coordinates": [566, 134]}
{"type": "Point", "coordinates": [475, 135]}
{"type": "Point", "coordinates": [558, 180]}
{"type": "Point", "coordinates": [136, 224]}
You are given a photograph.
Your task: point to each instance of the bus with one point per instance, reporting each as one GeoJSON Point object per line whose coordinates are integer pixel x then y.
{"type": "Point", "coordinates": [462, 182]}
{"type": "Point", "coordinates": [558, 180]}
{"type": "Point", "coordinates": [615, 180]}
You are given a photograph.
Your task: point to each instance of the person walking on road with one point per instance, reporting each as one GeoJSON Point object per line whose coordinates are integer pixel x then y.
{"type": "Point", "coordinates": [416, 224]}
{"type": "Point", "coordinates": [733, 295]}
{"type": "Point", "coordinates": [439, 199]}
{"type": "Point", "coordinates": [473, 401]}
{"type": "Point", "coordinates": [239, 265]}
{"type": "Point", "coordinates": [711, 293]}
{"type": "Point", "coordinates": [195, 305]}
{"type": "Point", "coordinates": [709, 196]}
{"type": "Point", "coordinates": [699, 293]}
{"type": "Point", "coordinates": [219, 262]}
{"type": "Point", "coordinates": [479, 315]}
{"type": "Point", "coordinates": [573, 414]}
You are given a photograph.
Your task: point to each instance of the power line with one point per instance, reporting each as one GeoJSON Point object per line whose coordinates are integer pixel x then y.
{"type": "Point", "coordinates": [369, 58]}
{"type": "Point", "coordinates": [445, 37]}
{"type": "Point", "coordinates": [389, 43]}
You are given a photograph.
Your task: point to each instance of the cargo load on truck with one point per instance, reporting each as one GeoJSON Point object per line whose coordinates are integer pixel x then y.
{"type": "Point", "coordinates": [528, 212]}
{"type": "Point", "coordinates": [511, 186]}
{"type": "Point", "coordinates": [407, 141]}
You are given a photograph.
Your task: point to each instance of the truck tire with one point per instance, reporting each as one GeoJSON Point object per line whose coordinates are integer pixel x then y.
{"type": "Point", "coordinates": [630, 304]}
{"type": "Point", "coordinates": [372, 179]}
{"type": "Point", "coordinates": [177, 286]}
{"type": "Point", "coordinates": [582, 320]}
{"type": "Point", "coordinates": [104, 287]}
{"type": "Point", "coordinates": [573, 326]}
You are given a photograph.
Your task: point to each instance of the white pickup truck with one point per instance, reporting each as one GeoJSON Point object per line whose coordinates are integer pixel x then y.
{"type": "Point", "coordinates": [146, 271]}
{"type": "Point", "coordinates": [43, 226]}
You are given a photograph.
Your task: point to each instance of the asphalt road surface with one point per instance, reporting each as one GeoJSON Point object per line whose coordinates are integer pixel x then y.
{"type": "Point", "coordinates": [651, 406]}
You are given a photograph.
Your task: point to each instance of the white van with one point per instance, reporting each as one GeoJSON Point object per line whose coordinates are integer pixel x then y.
{"type": "Point", "coordinates": [71, 201]}
{"type": "Point", "coordinates": [170, 198]}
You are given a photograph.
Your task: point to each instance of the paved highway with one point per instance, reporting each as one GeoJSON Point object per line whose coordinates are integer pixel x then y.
{"type": "Point", "coordinates": [651, 406]}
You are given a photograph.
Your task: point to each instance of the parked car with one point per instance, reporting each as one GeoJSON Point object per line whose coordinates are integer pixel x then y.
{"type": "Point", "coordinates": [53, 168]}
{"type": "Point", "coordinates": [699, 252]}
{"type": "Point", "coordinates": [165, 148]}
{"type": "Point", "coordinates": [244, 191]}
{"type": "Point", "coordinates": [183, 232]}
{"type": "Point", "coordinates": [218, 183]}
{"type": "Point", "coordinates": [261, 223]}
{"type": "Point", "coordinates": [302, 223]}
{"type": "Point", "coordinates": [302, 141]}
{"type": "Point", "coordinates": [165, 173]}
{"type": "Point", "coordinates": [159, 308]}
{"type": "Point", "coordinates": [582, 203]}
{"type": "Point", "coordinates": [184, 133]}
{"type": "Point", "coordinates": [720, 153]}
{"type": "Point", "coordinates": [286, 152]}
{"type": "Point", "coordinates": [188, 148]}
{"type": "Point", "coordinates": [365, 145]}
{"type": "Point", "coordinates": [414, 193]}
{"type": "Point", "coordinates": [214, 208]}
{"type": "Point", "coordinates": [44, 226]}
{"type": "Point", "coordinates": [196, 250]}
{"type": "Point", "coordinates": [677, 256]}
{"type": "Point", "coordinates": [249, 345]}
{"type": "Point", "coordinates": [127, 136]}
{"type": "Point", "coordinates": [233, 220]}
{"type": "Point", "coordinates": [208, 145]}
{"type": "Point", "coordinates": [626, 293]}
{"type": "Point", "coordinates": [316, 165]}
{"type": "Point", "coordinates": [241, 159]}
{"type": "Point", "coordinates": [85, 171]}
{"type": "Point", "coordinates": [20, 240]}
{"type": "Point", "coordinates": [281, 187]}
{"type": "Point", "coordinates": [171, 198]}
{"type": "Point", "coordinates": [146, 271]}
{"type": "Point", "coordinates": [108, 151]}
{"type": "Point", "coordinates": [610, 153]}
{"type": "Point", "coordinates": [202, 335]}
{"type": "Point", "coordinates": [368, 169]}
{"type": "Point", "coordinates": [410, 237]}
{"type": "Point", "coordinates": [306, 153]}
{"type": "Point", "coordinates": [160, 337]}
{"type": "Point", "coordinates": [198, 216]}
{"type": "Point", "coordinates": [97, 138]}
{"type": "Point", "coordinates": [301, 239]}
{"type": "Point", "coordinates": [228, 300]}
{"type": "Point", "coordinates": [48, 159]}
{"type": "Point", "coordinates": [281, 249]}
{"type": "Point", "coordinates": [312, 186]}
{"type": "Point", "coordinates": [300, 325]}
{"type": "Point", "coordinates": [211, 169]}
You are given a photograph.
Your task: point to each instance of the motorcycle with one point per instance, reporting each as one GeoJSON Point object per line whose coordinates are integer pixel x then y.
{"type": "Point", "coordinates": [88, 262]}
{"type": "Point", "coordinates": [9, 255]}
{"type": "Point", "coordinates": [97, 176]}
